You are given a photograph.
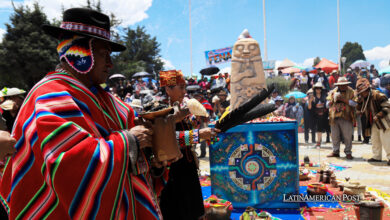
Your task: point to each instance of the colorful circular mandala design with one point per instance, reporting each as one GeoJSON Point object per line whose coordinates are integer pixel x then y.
{"type": "Point", "coordinates": [252, 167]}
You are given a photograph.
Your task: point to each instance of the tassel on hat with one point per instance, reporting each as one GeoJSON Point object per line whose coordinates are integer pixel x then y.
{"type": "Point", "coordinates": [244, 34]}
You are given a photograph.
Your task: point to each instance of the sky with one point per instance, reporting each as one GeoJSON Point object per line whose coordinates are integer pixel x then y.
{"type": "Point", "coordinates": [299, 30]}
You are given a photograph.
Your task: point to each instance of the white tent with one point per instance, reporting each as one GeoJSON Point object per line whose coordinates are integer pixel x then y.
{"type": "Point", "coordinates": [286, 63]}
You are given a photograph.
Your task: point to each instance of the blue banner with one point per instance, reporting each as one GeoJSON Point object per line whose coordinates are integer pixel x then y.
{"type": "Point", "coordinates": [215, 57]}
{"type": "Point", "coordinates": [269, 64]}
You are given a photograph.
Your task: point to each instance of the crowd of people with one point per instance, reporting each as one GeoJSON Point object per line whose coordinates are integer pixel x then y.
{"type": "Point", "coordinates": [331, 106]}
{"type": "Point", "coordinates": [336, 103]}
{"type": "Point", "coordinates": [79, 151]}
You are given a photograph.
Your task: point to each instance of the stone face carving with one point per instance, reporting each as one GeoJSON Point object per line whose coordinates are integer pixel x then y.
{"type": "Point", "coordinates": [247, 73]}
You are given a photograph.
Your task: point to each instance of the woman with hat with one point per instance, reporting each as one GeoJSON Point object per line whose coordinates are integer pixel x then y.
{"type": "Point", "coordinates": [376, 107]}
{"type": "Point", "coordinates": [308, 118]}
{"type": "Point", "coordinates": [317, 103]}
{"type": "Point", "coordinates": [181, 197]}
{"type": "Point", "coordinates": [10, 107]}
{"type": "Point", "coordinates": [79, 153]}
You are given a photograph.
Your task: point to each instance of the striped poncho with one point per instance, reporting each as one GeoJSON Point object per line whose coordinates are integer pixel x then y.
{"type": "Point", "coordinates": [72, 157]}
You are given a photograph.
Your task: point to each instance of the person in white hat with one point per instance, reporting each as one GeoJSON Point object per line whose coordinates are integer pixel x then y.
{"type": "Point", "coordinates": [341, 116]}
{"type": "Point", "coordinates": [137, 106]}
{"type": "Point", "coordinates": [334, 76]}
{"type": "Point", "coordinates": [10, 107]}
{"type": "Point", "coordinates": [317, 104]}
{"type": "Point", "coordinates": [308, 118]}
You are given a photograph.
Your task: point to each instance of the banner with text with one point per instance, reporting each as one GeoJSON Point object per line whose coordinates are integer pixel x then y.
{"type": "Point", "coordinates": [215, 57]}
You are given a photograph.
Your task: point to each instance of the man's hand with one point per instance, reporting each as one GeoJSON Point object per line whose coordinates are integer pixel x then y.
{"type": "Point", "coordinates": [341, 99]}
{"type": "Point", "coordinates": [208, 133]}
{"type": "Point", "coordinates": [143, 133]}
{"type": "Point", "coordinates": [6, 145]}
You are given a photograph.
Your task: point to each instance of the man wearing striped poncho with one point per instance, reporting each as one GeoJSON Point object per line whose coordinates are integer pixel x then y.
{"type": "Point", "coordinates": [79, 153]}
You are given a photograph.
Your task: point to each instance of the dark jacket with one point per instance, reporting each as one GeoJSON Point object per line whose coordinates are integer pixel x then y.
{"type": "Point", "coordinates": [325, 82]}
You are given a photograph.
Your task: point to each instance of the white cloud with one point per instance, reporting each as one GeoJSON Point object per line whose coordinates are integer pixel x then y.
{"type": "Point", "coordinates": [167, 64]}
{"type": "Point", "coordinates": [5, 4]}
{"type": "Point", "coordinates": [226, 70]}
{"type": "Point", "coordinates": [378, 53]}
{"type": "Point", "coordinates": [2, 32]}
{"type": "Point", "coordinates": [129, 12]}
{"type": "Point", "coordinates": [308, 62]}
{"type": "Point", "coordinates": [383, 64]}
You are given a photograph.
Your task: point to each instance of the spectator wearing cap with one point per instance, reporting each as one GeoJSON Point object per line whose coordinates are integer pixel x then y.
{"type": "Point", "coordinates": [351, 77]}
{"type": "Point", "coordinates": [341, 116]}
{"type": "Point", "coordinates": [376, 106]}
{"type": "Point", "coordinates": [321, 77]}
{"type": "Point", "coordinates": [334, 76]}
{"type": "Point", "coordinates": [279, 106]}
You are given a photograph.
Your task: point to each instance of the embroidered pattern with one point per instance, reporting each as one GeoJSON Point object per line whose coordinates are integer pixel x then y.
{"type": "Point", "coordinates": [73, 26]}
{"type": "Point", "coordinates": [77, 52]}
